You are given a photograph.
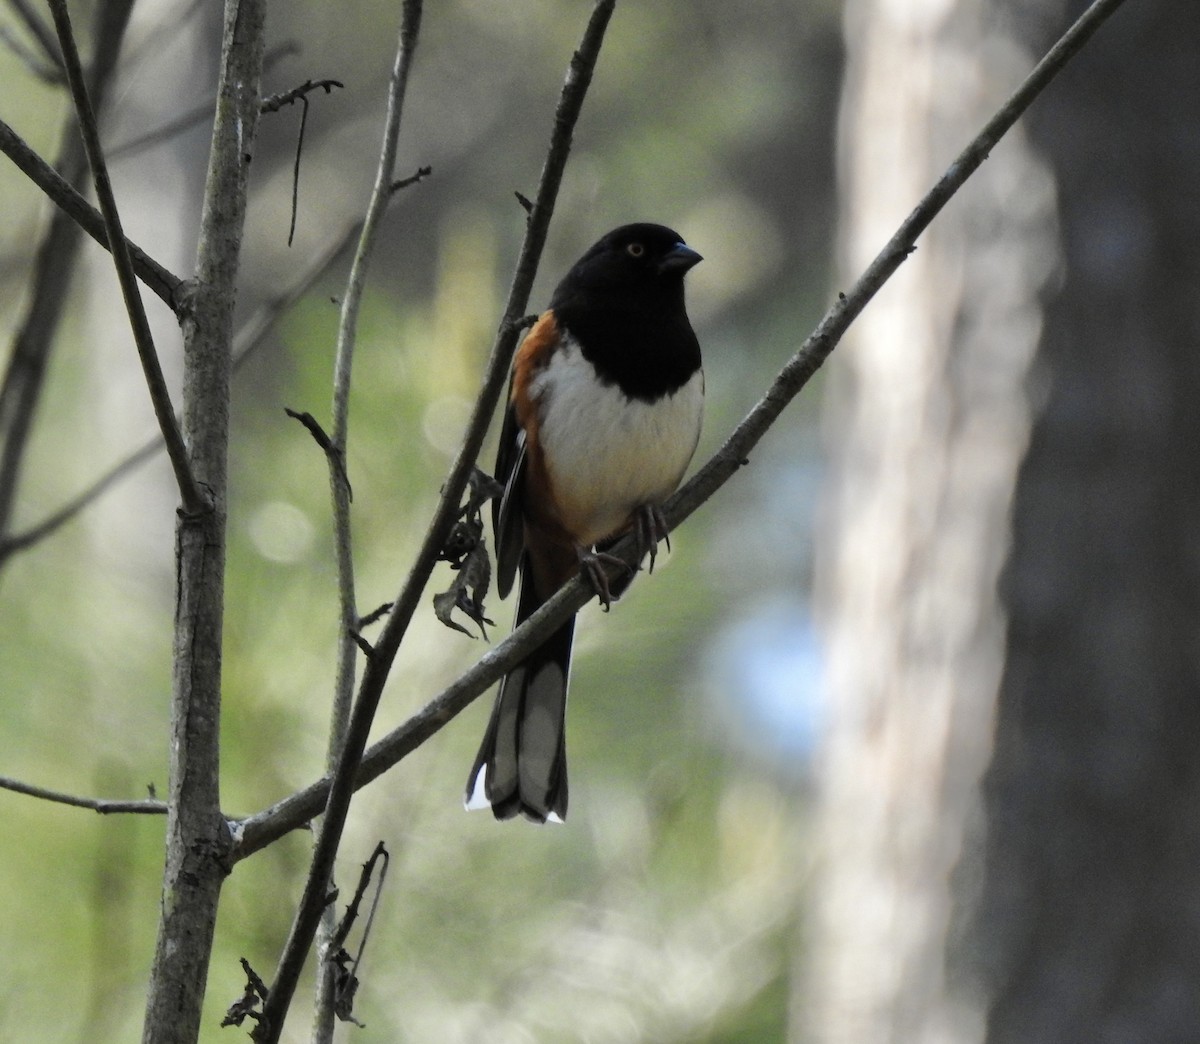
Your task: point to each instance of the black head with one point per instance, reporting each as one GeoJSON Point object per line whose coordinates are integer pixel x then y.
{"type": "Point", "coordinates": [623, 303]}
{"type": "Point", "coordinates": [639, 260]}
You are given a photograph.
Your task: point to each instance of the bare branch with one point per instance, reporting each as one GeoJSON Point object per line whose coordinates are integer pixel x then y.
{"type": "Point", "coordinates": [345, 968]}
{"type": "Point", "coordinates": [420, 174]}
{"type": "Point", "coordinates": [48, 526]}
{"type": "Point", "coordinates": [34, 62]}
{"type": "Point", "coordinates": [309, 912]}
{"type": "Point", "coordinates": [334, 456]}
{"type": "Point", "coordinates": [193, 497]}
{"type": "Point", "coordinates": [105, 806]}
{"type": "Point", "coordinates": [275, 102]}
{"type": "Point", "coordinates": [263, 828]}
{"type": "Point", "coordinates": [193, 117]}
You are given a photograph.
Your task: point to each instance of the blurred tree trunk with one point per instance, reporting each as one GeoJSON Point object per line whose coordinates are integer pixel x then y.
{"type": "Point", "coordinates": [1064, 907]}
{"type": "Point", "coordinates": [1088, 927]}
{"type": "Point", "coordinates": [927, 428]}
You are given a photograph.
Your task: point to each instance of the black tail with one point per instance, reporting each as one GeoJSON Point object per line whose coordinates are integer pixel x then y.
{"type": "Point", "coordinates": [522, 763]}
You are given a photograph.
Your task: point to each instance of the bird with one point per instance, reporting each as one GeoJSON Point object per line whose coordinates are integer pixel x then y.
{"type": "Point", "coordinates": [606, 398]}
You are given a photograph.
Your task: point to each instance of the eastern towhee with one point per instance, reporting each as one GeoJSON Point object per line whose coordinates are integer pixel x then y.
{"type": "Point", "coordinates": [604, 414]}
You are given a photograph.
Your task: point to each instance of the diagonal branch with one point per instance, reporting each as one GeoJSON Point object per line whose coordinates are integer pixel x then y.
{"type": "Point", "coordinates": [194, 499]}
{"type": "Point", "coordinates": [263, 828]}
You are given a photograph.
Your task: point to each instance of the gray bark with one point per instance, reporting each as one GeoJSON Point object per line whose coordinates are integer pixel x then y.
{"type": "Point", "coordinates": [198, 841]}
{"type": "Point", "coordinates": [1089, 922]}
{"type": "Point", "coordinates": [928, 424]}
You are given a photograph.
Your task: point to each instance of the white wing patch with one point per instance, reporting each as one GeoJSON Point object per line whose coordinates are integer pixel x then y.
{"type": "Point", "coordinates": [608, 454]}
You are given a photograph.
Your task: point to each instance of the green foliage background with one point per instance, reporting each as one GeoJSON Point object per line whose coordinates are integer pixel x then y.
{"type": "Point", "coordinates": [668, 907]}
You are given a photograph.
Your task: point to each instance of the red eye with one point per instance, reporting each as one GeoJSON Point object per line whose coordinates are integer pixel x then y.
{"type": "Point", "coordinates": [635, 249]}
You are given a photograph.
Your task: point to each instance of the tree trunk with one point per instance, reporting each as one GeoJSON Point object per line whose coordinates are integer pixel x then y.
{"type": "Point", "coordinates": [1075, 888]}
{"type": "Point", "coordinates": [928, 424]}
{"type": "Point", "coordinates": [198, 840]}
{"type": "Point", "coordinates": [1089, 922]}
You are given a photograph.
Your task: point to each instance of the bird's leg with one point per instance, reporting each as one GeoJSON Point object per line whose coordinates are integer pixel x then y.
{"type": "Point", "coordinates": [650, 526]}
{"type": "Point", "coordinates": [592, 563]}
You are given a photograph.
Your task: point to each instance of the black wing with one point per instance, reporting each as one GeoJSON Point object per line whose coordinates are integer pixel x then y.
{"type": "Point", "coordinates": [508, 520]}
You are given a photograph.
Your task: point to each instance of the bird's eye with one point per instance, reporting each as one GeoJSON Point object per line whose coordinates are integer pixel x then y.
{"type": "Point", "coordinates": [635, 249]}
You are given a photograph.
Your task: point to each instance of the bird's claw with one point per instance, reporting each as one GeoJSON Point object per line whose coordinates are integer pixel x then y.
{"type": "Point", "coordinates": [650, 527]}
{"type": "Point", "coordinates": [591, 564]}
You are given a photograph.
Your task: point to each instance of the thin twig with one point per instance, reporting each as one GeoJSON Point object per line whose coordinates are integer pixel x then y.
{"type": "Point", "coordinates": [265, 827]}
{"type": "Point", "coordinates": [346, 978]}
{"type": "Point", "coordinates": [274, 103]}
{"type": "Point", "coordinates": [364, 879]}
{"type": "Point", "coordinates": [190, 492]}
{"type": "Point", "coordinates": [420, 174]}
{"type": "Point", "coordinates": [105, 806]}
{"type": "Point", "coordinates": [185, 121]}
{"type": "Point", "coordinates": [52, 523]}
{"type": "Point", "coordinates": [334, 456]}
{"type": "Point", "coordinates": [312, 906]}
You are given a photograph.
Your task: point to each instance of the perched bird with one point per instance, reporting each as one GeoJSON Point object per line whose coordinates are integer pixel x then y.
{"type": "Point", "coordinates": [604, 413]}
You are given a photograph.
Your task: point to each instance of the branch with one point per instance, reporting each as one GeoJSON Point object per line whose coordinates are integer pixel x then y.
{"type": "Point", "coordinates": [275, 102]}
{"type": "Point", "coordinates": [312, 903]}
{"type": "Point", "coordinates": [419, 175]}
{"type": "Point", "coordinates": [34, 343]}
{"type": "Point", "coordinates": [164, 284]}
{"type": "Point", "coordinates": [105, 806]}
{"type": "Point", "coordinates": [198, 839]}
{"type": "Point", "coordinates": [194, 499]}
{"type": "Point", "coordinates": [265, 827]}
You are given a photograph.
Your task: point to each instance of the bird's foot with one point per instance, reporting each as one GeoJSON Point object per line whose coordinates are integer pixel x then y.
{"type": "Point", "coordinates": [591, 564]}
{"type": "Point", "coordinates": [650, 527]}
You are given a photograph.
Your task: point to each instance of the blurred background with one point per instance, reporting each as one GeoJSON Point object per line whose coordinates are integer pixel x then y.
{"type": "Point", "coordinates": [898, 744]}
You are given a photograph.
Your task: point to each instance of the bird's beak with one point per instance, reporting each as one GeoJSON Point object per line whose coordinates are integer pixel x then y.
{"type": "Point", "coordinates": [679, 259]}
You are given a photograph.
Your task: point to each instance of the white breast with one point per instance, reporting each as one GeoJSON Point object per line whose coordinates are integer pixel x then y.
{"type": "Point", "coordinates": [608, 454]}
